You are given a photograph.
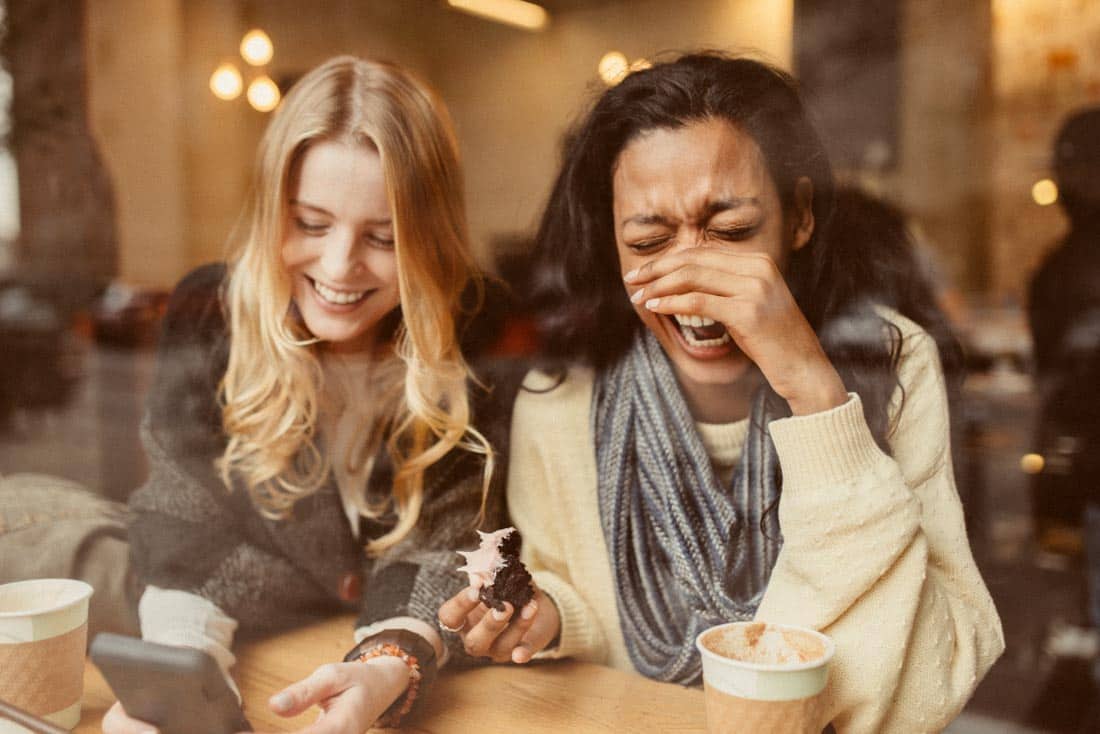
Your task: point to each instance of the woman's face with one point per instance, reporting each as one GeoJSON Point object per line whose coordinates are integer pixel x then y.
{"type": "Point", "coordinates": [705, 183]}
{"type": "Point", "coordinates": [338, 246]}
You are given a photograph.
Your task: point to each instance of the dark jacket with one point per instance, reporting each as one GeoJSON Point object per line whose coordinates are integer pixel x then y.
{"type": "Point", "coordinates": [189, 532]}
{"type": "Point", "coordinates": [1064, 315]}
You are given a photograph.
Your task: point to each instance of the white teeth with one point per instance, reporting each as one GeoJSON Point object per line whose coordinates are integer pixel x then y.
{"type": "Point", "coordinates": [689, 337]}
{"type": "Point", "coordinates": [335, 296]}
{"type": "Point", "coordinates": [696, 321]}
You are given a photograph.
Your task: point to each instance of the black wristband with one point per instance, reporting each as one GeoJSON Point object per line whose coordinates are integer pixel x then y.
{"type": "Point", "coordinates": [410, 642]}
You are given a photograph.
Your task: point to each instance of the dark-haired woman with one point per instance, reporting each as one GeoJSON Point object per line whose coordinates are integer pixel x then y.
{"type": "Point", "coordinates": [742, 430]}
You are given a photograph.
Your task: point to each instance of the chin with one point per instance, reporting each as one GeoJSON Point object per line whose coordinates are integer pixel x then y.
{"type": "Point", "coordinates": [725, 371]}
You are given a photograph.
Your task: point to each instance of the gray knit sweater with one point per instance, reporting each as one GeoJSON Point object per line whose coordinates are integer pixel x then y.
{"type": "Point", "coordinates": [189, 533]}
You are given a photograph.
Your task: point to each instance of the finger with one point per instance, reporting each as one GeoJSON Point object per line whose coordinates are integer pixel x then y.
{"type": "Point", "coordinates": [325, 682]}
{"type": "Point", "coordinates": [480, 638]}
{"type": "Point", "coordinates": [716, 258]}
{"type": "Point", "coordinates": [117, 721]}
{"type": "Point", "coordinates": [719, 308]}
{"type": "Point", "coordinates": [501, 651]}
{"type": "Point", "coordinates": [544, 627]}
{"type": "Point", "coordinates": [476, 616]}
{"type": "Point", "coordinates": [454, 611]}
{"type": "Point", "coordinates": [694, 277]}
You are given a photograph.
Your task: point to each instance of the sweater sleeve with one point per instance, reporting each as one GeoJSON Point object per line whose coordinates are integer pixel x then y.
{"type": "Point", "coordinates": [535, 506]}
{"type": "Point", "coordinates": [412, 579]}
{"type": "Point", "coordinates": [875, 554]}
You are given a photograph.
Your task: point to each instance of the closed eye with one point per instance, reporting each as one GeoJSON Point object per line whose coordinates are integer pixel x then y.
{"type": "Point", "coordinates": [734, 234]}
{"type": "Point", "coordinates": [313, 229]}
{"type": "Point", "coordinates": [651, 245]}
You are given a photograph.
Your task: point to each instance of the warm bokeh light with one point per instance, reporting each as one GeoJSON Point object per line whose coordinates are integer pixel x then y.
{"type": "Point", "coordinates": [518, 13]}
{"type": "Point", "coordinates": [256, 47]}
{"type": "Point", "coordinates": [1031, 463]}
{"type": "Point", "coordinates": [263, 94]}
{"type": "Point", "coordinates": [226, 82]}
{"type": "Point", "coordinates": [640, 64]}
{"type": "Point", "coordinates": [1044, 192]}
{"type": "Point", "coordinates": [613, 67]}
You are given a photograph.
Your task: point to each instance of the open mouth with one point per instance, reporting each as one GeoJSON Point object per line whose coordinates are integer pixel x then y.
{"type": "Point", "coordinates": [338, 297]}
{"type": "Point", "coordinates": [699, 332]}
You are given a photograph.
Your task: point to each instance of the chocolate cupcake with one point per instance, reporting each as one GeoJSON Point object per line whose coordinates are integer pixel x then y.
{"type": "Point", "coordinates": [496, 568]}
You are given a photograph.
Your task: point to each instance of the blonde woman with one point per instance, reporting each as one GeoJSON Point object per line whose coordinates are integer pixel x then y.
{"type": "Point", "coordinates": [311, 403]}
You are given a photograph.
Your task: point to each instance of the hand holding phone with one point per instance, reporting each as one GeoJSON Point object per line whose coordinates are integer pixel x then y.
{"type": "Point", "coordinates": [180, 690]}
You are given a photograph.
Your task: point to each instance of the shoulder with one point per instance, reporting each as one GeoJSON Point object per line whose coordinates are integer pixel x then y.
{"type": "Point", "coordinates": [918, 409]}
{"type": "Point", "coordinates": [195, 308]}
{"type": "Point", "coordinates": [557, 391]}
{"type": "Point", "coordinates": [553, 406]}
{"type": "Point", "coordinates": [918, 348]}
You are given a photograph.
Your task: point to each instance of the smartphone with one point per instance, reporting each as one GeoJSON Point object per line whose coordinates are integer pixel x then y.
{"type": "Point", "coordinates": [179, 689]}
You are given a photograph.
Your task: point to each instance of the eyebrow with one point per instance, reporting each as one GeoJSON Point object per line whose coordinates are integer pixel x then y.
{"type": "Point", "coordinates": [313, 207]}
{"type": "Point", "coordinates": [326, 212]}
{"type": "Point", "coordinates": [712, 208]}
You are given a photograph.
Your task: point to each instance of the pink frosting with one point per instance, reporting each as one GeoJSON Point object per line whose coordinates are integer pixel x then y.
{"type": "Point", "coordinates": [483, 563]}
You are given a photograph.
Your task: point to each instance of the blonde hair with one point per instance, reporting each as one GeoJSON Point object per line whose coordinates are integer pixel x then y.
{"type": "Point", "coordinates": [271, 390]}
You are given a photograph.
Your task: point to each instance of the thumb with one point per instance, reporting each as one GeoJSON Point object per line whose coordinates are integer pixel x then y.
{"type": "Point", "coordinates": [325, 682]}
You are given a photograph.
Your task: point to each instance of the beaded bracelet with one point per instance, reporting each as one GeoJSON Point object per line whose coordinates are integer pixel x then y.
{"type": "Point", "coordinates": [412, 649]}
{"type": "Point", "coordinates": [403, 705]}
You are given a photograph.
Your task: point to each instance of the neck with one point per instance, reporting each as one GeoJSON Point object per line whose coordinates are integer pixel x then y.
{"type": "Point", "coordinates": [721, 402]}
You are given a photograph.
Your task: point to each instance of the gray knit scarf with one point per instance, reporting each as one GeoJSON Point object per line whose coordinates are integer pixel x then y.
{"type": "Point", "coordinates": [686, 552]}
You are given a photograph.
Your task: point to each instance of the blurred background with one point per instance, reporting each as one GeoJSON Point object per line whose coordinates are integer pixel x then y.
{"type": "Point", "coordinates": [129, 129]}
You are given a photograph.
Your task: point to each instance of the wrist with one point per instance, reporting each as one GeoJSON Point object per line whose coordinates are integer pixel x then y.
{"type": "Point", "coordinates": [827, 392]}
{"type": "Point", "coordinates": [390, 648]}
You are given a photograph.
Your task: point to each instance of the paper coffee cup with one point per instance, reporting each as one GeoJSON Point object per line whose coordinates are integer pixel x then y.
{"type": "Point", "coordinates": [764, 678]}
{"type": "Point", "coordinates": [43, 635]}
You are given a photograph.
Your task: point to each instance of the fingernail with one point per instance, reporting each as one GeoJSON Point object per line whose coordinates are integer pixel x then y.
{"type": "Point", "coordinates": [637, 296]}
{"type": "Point", "coordinates": [281, 701]}
{"type": "Point", "coordinates": [529, 610]}
{"type": "Point", "coordinates": [472, 594]}
{"type": "Point", "coordinates": [500, 614]}
{"type": "Point", "coordinates": [652, 303]}
{"type": "Point", "coordinates": [631, 275]}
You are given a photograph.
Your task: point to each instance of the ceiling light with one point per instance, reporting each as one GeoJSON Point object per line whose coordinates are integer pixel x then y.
{"type": "Point", "coordinates": [263, 94]}
{"type": "Point", "coordinates": [256, 47]}
{"type": "Point", "coordinates": [226, 82]}
{"type": "Point", "coordinates": [518, 13]}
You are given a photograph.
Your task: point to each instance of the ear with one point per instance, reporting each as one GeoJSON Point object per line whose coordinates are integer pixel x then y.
{"type": "Point", "coordinates": [803, 213]}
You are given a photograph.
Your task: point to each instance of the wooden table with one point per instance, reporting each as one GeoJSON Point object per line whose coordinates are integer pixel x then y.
{"type": "Point", "coordinates": [555, 697]}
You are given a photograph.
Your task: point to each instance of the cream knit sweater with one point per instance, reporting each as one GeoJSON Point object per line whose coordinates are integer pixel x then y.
{"type": "Point", "coordinates": [875, 551]}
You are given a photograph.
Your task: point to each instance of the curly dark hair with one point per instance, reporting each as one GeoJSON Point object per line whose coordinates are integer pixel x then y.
{"type": "Point", "coordinates": [836, 278]}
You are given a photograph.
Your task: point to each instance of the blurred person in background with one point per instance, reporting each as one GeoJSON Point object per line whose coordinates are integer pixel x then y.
{"type": "Point", "coordinates": [732, 425]}
{"type": "Point", "coordinates": [309, 430]}
{"type": "Point", "coordinates": [1064, 316]}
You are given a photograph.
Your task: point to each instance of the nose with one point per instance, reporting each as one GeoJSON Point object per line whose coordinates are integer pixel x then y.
{"type": "Point", "coordinates": [341, 256]}
{"type": "Point", "coordinates": [690, 237]}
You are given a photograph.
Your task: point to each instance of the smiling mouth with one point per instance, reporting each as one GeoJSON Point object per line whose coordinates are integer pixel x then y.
{"type": "Point", "coordinates": [699, 332]}
{"type": "Point", "coordinates": [338, 297]}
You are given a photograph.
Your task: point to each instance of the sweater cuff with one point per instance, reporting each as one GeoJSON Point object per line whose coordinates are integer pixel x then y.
{"type": "Point", "coordinates": [183, 619]}
{"type": "Point", "coordinates": [580, 635]}
{"type": "Point", "coordinates": [412, 624]}
{"type": "Point", "coordinates": [825, 448]}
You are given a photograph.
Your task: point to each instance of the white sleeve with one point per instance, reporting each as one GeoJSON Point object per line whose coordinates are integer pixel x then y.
{"type": "Point", "coordinates": [173, 617]}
